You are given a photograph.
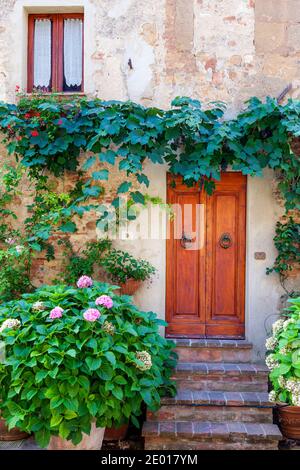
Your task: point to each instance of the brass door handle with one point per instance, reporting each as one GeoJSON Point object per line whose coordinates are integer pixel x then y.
{"type": "Point", "coordinates": [185, 239]}
{"type": "Point", "coordinates": [225, 240]}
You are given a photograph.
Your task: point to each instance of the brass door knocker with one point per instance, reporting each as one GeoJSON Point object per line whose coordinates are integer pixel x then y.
{"type": "Point", "coordinates": [225, 240]}
{"type": "Point", "coordinates": [185, 241]}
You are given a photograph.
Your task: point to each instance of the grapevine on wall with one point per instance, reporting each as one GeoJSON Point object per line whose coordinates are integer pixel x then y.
{"type": "Point", "coordinates": [49, 134]}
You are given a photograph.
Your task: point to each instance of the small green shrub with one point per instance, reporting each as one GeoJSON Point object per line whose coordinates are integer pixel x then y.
{"type": "Point", "coordinates": [283, 357]}
{"type": "Point", "coordinates": [74, 355]}
{"type": "Point", "coordinates": [121, 266]}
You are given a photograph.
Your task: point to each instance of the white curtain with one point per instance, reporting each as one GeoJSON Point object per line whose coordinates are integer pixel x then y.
{"type": "Point", "coordinates": [73, 52]}
{"type": "Point", "coordinates": [42, 53]}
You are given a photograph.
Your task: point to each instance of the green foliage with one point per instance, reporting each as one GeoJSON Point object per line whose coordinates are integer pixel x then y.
{"type": "Point", "coordinates": [284, 356]}
{"type": "Point", "coordinates": [287, 242]}
{"type": "Point", "coordinates": [51, 132]}
{"type": "Point", "coordinates": [79, 264]}
{"type": "Point", "coordinates": [15, 261]}
{"type": "Point", "coordinates": [121, 266]}
{"type": "Point", "coordinates": [62, 374]}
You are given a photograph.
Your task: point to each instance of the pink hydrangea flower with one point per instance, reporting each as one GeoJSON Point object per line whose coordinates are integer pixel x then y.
{"type": "Point", "coordinates": [91, 314]}
{"type": "Point", "coordinates": [56, 312]}
{"type": "Point", "coordinates": [84, 281]}
{"type": "Point", "coordinates": [104, 300]}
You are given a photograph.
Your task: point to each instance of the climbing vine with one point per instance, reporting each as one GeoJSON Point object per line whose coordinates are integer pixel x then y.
{"type": "Point", "coordinates": [49, 134]}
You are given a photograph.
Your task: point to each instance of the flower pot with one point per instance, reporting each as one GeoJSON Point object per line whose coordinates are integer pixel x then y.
{"type": "Point", "coordinates": [116, 434]}
{"type": "Point", "coordinates": [289, 421]}
{"type": "Point", "coordinates": [93, 441]}
{"type": "Point", "coordinates": [129, 287]}
{"type": "Point", "coordinates": [14, 434]}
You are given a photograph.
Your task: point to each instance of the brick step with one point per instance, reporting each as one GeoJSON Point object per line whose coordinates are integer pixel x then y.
{"type": "Point", "coordinates": [221, 376]}
{"type": "Point", "coordinates": [214, 405]}
{"type": "Point", "coordinates": [197, 435]}
{"type": "Point", "coordinates": [204, 350]}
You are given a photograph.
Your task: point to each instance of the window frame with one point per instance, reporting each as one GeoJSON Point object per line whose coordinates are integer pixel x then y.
{"type": "Point", "coordinates": [57, 65]}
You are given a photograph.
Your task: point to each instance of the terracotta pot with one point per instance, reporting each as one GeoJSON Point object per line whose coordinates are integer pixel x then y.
{"type": "Point", "coordinates": [88, 442]}
{"type": "Point", "coordinates": [14, 434]}
{"type": "Point", "coordinates": [116, 434]}
{"type": "Point", "coordinates": [129, 287]}
{"type": "Point", "coordinates": [289, 421]}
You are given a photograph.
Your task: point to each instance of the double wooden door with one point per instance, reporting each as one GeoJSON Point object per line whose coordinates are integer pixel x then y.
{"type": "Point", "coordinates": [206, 259]}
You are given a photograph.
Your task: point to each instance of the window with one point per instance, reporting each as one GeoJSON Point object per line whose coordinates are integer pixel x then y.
{"type": "Point", "coordinates": [55, 52]}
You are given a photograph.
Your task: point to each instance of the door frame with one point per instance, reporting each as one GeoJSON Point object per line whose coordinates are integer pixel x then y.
{"type": "Point", "coordinates": [205, 267]}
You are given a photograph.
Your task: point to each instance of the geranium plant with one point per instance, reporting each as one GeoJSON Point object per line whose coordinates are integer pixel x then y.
{"type": "Point", "coordinates": [80, 354]}
{"type": "Point", "coordinates": [283, 357]}
{"type": "Point", "coordinates": [121, 266]}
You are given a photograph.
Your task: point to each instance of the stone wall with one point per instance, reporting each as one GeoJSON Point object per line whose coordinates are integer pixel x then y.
{"type": "Point", "coordinates": [152, 51]}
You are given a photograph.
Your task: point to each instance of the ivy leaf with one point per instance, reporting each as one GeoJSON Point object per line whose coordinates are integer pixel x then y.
{"type": "Point", "coordinates": [138, 197]}
{"type": "Point", "coordinates": [68, 227]}
{"type": "Point", "coordinates": [143, 179]}
{"type": "Point", "coordinates": [124, 187]}
{"type": "Point", "coordinates": [89, 163]}
{"type": "Point", "coordinates": [108, 157]}
{"type": "Point", "coordinates": [100, 175]}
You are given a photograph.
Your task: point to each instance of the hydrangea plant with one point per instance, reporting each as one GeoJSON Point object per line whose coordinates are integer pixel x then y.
{"type": "Point", "coordinates": [79, 354]}
{"type": "Point", "coordinates": [283, 357]}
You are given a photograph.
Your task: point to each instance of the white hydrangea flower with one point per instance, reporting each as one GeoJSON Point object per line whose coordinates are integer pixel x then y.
{"type": "Point", "coordinates": [288, 322]}
{"type": "Point", "coordinates": [277, 326]}
{"type": "Point", "coordinates": [38, 306]}
{"type": "Point", "coordinates": [271, 343]}
{"type": "Point", "coordinates": [19, 249]}
{"type": "Point", "coordinates": [281, 381]}
{"type": "Point", "coordinates": [296, 399]}
{"type": "Point", "coordinates": [144, 357]}
{"type": "Point", "coordinates": [285, 350]}
{"type": "Point", "coordinates": [272, 396]}
{"type": "Point", "coordinates": [271, 362]}
{"type": "Point", "coordinates": [10, 323]}
{"type": "Point", "coordinates": [293, 385]}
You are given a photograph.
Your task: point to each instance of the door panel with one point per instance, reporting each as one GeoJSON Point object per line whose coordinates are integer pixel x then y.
{"type": "Point", "coordinates": [206, 277]}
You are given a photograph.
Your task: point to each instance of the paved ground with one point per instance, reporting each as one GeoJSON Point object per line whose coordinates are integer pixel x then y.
{"type": "Point", "coordinates": [29, 444]}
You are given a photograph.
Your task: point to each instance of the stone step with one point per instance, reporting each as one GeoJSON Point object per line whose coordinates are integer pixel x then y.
{"type": "Point", "coordinates": [197, 435]}
{"type": "Point", "coordinates": [189, 405]}
{"type": "Point", "coordinates": [221, 376]}
{"type": "Point", "coordinates": [205, 350]}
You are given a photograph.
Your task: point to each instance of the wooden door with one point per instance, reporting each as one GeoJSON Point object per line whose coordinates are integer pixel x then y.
{"type": "Point", "coordinates": [206, 259]}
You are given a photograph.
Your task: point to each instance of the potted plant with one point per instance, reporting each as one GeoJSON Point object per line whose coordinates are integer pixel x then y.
{"type": "Point", "coordinates": [126, 270]}
{"type": "Point", "coordinates": [78, 360]}
{"type": "Point", "coordinates": [283, 359]}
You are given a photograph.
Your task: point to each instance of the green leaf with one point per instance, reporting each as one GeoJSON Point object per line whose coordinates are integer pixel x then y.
{"type": "Point", "coordinates": [64, 430]}
{"type": "Point", "coordinates": [93, 363]}
{"type": "Point", "coordinates": [68, 227]}
{"type": "Point", "coordinates": [124, 187]}
{"type": "Point", "coordinates": [71, 352]}
{"type": "Point", "coordinates": [117, 392]}
{"type": "Point", "coordinates": [100, 175]}
{"type": "Point", "coordinates": [40, 375]}
{"type": "Point", "coordinates": [84, 382]}
{"type": "Point", "coordinates": [89, 163]}
{"type": "Point", "coordinates": [110, 357]}
{"type": "Point", "coordinates": [138, 197]}
{"type": "Point", "coordinates": [70, 414]}
{"type": "Point", "coordinates": [55, 420]}
{"type": "Point", "coordinates": [42, 437]}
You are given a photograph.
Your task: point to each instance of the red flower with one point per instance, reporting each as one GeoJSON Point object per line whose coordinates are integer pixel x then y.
{"type": "Point", "coordinates": [34, 133]}
{"type": "Point", "coordinates": [8, 126]}
{"type": "Point", "coordinates": [17, 89]}
{"type": "Point", "coordinates": [19, 137]}
{"type": "Point", "coordinates": [27, 116]}
{"type": "Point", "coordinates": [60, 122]}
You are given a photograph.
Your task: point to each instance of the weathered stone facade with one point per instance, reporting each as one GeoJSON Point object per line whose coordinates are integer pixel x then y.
{"type": "Point", "coordinates": [152, 51]}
